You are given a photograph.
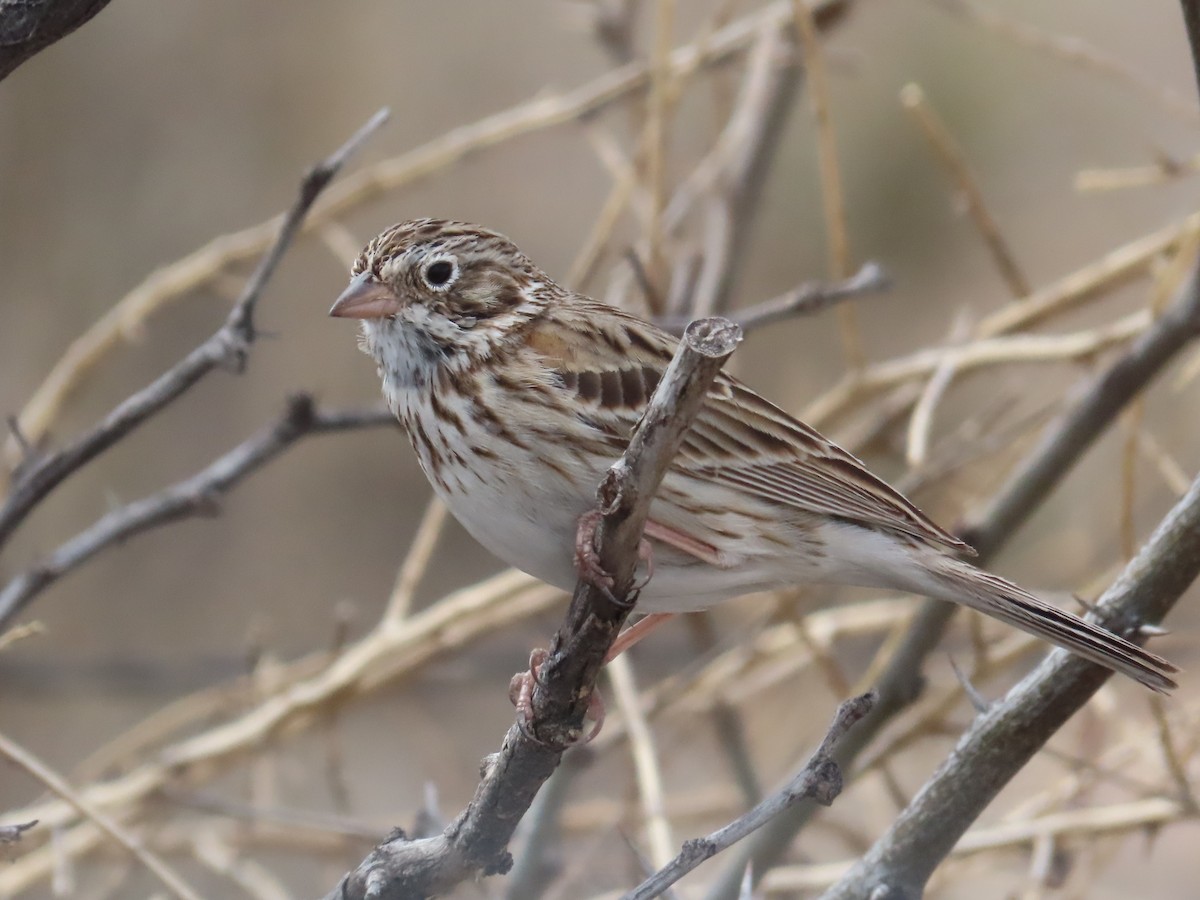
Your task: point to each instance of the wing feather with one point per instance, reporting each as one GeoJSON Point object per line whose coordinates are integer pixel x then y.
{"type": "Point", "coordinates": [738, 439]}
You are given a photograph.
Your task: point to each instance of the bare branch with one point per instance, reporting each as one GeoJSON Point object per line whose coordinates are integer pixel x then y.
{"type": "Point", "coordinates": [744, 154]}
{"type": "Point", "coordinates": [808, 299]}
{"type": "Point", "coordinates": [539, 113]}
{"type": "Point", "coordinates": [1006, 737]}
{"type": "Point", "coordinates": [819, 780]}
{"type": "Point", "coordinates": [194, 496]}
{"type": "Point", "coordinates": [227, 347]}
{"type": "Point", "coordinates": [476, 843]}
{"type": "Point", "coordinates": [28, 27]}
{"type": "Point", "coordinates": [1065, 442]}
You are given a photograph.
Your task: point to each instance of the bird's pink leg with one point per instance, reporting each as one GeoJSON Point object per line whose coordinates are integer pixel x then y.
{"type": "Point", "coordinates": [682, 541]}
{"type": "Point", "coordinates": [635, 633]}
{"type": "Point", "coordinates": [587, 563]}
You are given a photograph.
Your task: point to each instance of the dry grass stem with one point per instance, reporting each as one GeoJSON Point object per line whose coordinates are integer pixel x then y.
{"type": "Point", "coordinates": [412, 570]}
{"type": "Point", "coordinates": [126, 319]}
{"type": "Point", "coordinates": [645, 761]}
{"type": "Point", "coordinates": [1163, 170]}
{"type": "Point", "coordinates": [832, 192]}
{"type": "Point", "coordinates": [1113, 270]}
{"type": "Point", "coordinates": [55, 783]}
{"type": "Point", "coordinates": [1073, 50]}
{"type": "Point", "coordinates": [952, 158]}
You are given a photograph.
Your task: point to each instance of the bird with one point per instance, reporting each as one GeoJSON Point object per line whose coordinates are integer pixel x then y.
{"type": "Point", "coordinates": [517, 394]}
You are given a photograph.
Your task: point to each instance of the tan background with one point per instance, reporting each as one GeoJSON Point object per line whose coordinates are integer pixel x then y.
{"type": "Point", "coordinates": [160, 125]}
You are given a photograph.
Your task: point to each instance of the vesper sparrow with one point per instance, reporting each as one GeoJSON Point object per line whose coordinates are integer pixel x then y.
{"type": "Point", "coordinates": [518, 393]}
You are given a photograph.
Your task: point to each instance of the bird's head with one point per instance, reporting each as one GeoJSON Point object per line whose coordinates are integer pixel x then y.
{"type": "Point", "coordinates": [432, 292]}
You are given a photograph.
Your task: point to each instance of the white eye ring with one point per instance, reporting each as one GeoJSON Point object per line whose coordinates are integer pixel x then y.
{"type": "Point", "coordinates": [440, 272]}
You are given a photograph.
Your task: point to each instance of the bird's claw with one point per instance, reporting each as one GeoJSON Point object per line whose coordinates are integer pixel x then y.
{"type": "Point", "coordinates": [587, 560]}
{"type": "Point", "coordinates": [520, 692]}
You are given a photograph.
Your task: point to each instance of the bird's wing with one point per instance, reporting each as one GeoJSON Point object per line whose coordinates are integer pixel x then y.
{"type": "Point", "coordinates": [608, 364]}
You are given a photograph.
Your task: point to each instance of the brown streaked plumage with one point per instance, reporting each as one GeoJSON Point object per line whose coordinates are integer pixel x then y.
{"type": "Point", "coordinates": [517, 394]}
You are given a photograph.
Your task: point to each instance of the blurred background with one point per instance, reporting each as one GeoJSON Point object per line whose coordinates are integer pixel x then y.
{"type": "Point", "coordinates": [157, 127]}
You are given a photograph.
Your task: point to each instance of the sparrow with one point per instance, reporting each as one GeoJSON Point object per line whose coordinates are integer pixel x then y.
{"type": "Point", "coordinates": [517, 394]}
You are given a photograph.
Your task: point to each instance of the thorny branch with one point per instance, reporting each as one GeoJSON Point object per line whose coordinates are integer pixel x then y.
{"type": "Point", "coordinates": [476, 842]}
{"type": "Point", "coordinates": [228, 348]}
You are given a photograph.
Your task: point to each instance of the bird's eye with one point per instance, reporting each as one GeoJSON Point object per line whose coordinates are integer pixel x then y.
{"type": "Point", "coordinates": [439, 273]}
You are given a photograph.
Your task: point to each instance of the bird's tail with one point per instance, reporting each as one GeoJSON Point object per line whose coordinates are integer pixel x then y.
{"type": "Point", "coordinates": [947, 578]}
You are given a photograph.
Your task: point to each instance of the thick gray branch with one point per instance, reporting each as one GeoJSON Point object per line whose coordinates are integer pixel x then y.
{"type": "Point", "coordinates": [1100, 401]}
{"type": "Point", "coordinates": [1003, 739]}
{"type": "Point", "coordinates": [476, 843]}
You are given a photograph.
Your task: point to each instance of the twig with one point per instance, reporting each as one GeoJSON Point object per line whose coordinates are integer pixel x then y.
{"type": "Point", "coordinates": [10, 834]}
{"type": "Point", "coordinates": [832, 192]}
{"type": "Point", "coordinates": [227, 347]}
{"type": "Point", "coordinates": [920, 424]}
{"type": "Point", "coordinates": [28, 28]}
{"type": "Point", "coordinates": [1072, 49]}
{"type": "Point", "coordinates": [1002, 740]}
{"type": "Point", "coordinates": [1112, 270]}
{"type": "Point", "coordinates": [1163, 170]}
{"type": "Point", "coordinates": [194, 496]}
{"type": "Point", "coordinates": [645, 759]}
{"type": "Point", "coordinates": [56, 783]}
{"type": "Point", "coordinates": [819, 780]}
{"type": "Point", "coordinates": [1137, 815]}
{"type": "Point", "coordinates": [808, 299]}
{"type": "Point", "coordinates": [476, 842]}
{"type": "Point", "coordinates": [541, 830]}
{"type": "Point", "coordinates": [1191, 21]}
{"type": "Point", "coordinates": [1008, 349]}
{"type": "Point", "coordinates": [951, 156]}
{"type": "Point", "coordinates": [202, 266]}
{"type": "Point", "coordinates": [738, 166]}
{"type": "Point", "coordinates": [416, 561]}
{"type": "Point", "coordinates": [658, 106]}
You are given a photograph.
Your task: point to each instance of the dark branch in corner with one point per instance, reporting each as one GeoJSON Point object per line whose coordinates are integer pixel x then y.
{"type": "Point", "coordinates": [476, 843]}
{"type": "Point", "coordinates": [1191, 21]}
{"type": "Point", "coordinates": [820, 780]}
{"type": "Point", "coordinates": [227, 348]}
{"type": "Point", "coordinates": [195, 496]}
{"type": "Point", "coordinates": [1005, 738]}
{"type": "Point", "coordinates": [28, 27]}
{"type": "Point", "coordinates": [1099, 403]}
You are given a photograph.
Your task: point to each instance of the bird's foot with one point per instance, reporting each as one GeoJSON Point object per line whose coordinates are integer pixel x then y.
{"type": "Point", "coordinates": [520, 692]}
{"type": "Point", "coordinates": [587, 560]}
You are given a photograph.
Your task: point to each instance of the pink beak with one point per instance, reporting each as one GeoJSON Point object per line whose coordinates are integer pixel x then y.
{"type": "Point", "coordinates": [366, 298]}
